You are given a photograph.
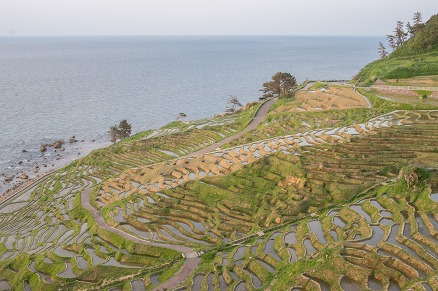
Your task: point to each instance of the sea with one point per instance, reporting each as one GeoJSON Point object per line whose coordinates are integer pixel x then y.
{"type": "Point", "coordinates": [54, 88]}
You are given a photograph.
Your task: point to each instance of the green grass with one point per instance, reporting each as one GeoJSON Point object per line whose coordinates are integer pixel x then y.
{"type": "Point", "coordinates": [318, 85]}
{"type": "Point", "coordinates": [138, 136]}
{"type": "Point", "coordinates": [283, 123]}
{"type": "Point", "coordinates": [417, 57]}
{"type": "Point", "coordinates": [329, 263]}
{"type": "Point", "coordinates": [423, 93]}
{"type": "Point", "coordinates": [388, 106]}
{"type": "Point", "coordinates": [399, 68]}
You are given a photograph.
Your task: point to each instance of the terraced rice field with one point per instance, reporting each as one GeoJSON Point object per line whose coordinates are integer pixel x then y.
{"type": "Point", "coordinates": [45, 241]}
{"type": "Point", "coordinates": [47, 238]}
{"type": "Point", "coordinates": [215, 206]}
{"type": "Point", "coordinates": [324, 208]}
{"type": "Point", "coordinates": [318, 253]}
{"type": "Point", "coordinates": [327, 98]}
{"type": "Point", "coordinates": [385, 239]}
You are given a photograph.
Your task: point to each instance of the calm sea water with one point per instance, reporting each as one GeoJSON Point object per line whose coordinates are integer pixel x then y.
{"type": "Point", "coordinates": [52, 88]}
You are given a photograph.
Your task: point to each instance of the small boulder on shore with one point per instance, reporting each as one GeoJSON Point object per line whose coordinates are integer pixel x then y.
{"type": "Point", "coordinates": [43, 148]}
{"type": "Point", "coordinates": [23, 176]}
{"type": "Point", "coordinates": [57, 144]}
{"type": "Point", "coordinates": [9, 179]}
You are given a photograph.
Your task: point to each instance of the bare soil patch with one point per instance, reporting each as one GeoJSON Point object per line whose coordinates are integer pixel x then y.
{"type": "Point", "coordinates": [331, 98]}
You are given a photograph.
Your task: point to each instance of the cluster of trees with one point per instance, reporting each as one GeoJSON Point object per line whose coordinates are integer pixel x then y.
{"type": "Point", "coordinates": [121, 131]}
{"type": "Point", "coordinates": [401, 33]}
{"type": "Point", "coordinates": [281, 86]}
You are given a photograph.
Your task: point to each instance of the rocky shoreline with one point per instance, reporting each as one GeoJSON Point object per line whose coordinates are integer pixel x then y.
{"type": "Point", "coordinates": [51, 156]}
{"type": "Point", "coordinates": [43, 159]}
{"type": "Point", "coordinates": [20, 187]}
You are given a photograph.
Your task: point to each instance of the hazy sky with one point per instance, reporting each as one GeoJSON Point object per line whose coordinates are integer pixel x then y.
{"type": "Point", "coordinates": [207, 17]}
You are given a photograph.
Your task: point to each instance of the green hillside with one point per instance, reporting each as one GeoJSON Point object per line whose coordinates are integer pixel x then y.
{"type": "Point", "coordinates": [418, 56]}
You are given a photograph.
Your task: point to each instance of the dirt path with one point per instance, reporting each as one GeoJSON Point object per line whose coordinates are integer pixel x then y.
{"type": "Point", "coordinates": [258, 117]}
{"type": "Point", "coordinates": [191, 258]}
{"type": "Point", "coordinates": [308, 85]}
{"type": "Point", "coordinates": [97, 216]}
{"type": "Point", "coordinates": [369, 105]}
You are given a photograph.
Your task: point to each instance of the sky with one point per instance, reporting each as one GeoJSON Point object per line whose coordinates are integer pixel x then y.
{"type": "Point", "coordinates": [207, 17]}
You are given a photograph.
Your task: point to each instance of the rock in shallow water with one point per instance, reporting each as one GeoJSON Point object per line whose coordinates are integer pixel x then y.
{"type": "Point", "coordinates": [23, 176]}
{"type": "Point", "coordinates": [43, 148]}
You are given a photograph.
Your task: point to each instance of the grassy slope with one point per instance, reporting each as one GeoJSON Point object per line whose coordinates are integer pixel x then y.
{"type": "Point", "coordinates": [417, 57]}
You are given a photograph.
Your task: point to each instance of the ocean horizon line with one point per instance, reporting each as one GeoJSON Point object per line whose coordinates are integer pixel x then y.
{"type": "Point", "coordinates": [187, 35]}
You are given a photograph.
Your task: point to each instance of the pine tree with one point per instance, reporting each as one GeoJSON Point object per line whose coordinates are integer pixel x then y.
{"type": "Point", "coordinates": [113, 133]}
{"type": "Point", "coordinates": [399, 34]}
{"type": "Point", "coordinates": [391, 41]}
{"type": "Point", "coordinates": [418, 23]}
{"type": "Point", "coordinates": [124, 129]}
{"type": "Point", "coordinates": [382, 51]}
{"type": "Point", "coordinates": [410, 29]}
{"type": "Point", "coordinates": [280, 86]}
{"type": "Point", "coordinates": [233, 104]}
{"type": "Point", "coordinates": [418, 19]}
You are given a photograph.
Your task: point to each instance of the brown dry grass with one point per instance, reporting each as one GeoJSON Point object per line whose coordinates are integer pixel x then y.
{"type": "Point", "coordinates": [332, 98]}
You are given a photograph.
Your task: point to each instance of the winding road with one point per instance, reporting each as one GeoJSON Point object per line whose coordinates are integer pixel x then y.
{"type": "Point", "coordinates": [191, 258]}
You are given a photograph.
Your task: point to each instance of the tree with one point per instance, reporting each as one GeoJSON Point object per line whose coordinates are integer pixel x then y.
{"type": "Point", "coordinates": [399, 37]}
{"type": "Point", "coordinates": [399, 34]}
{"type": "Point", "coordinates": [281, 85]}
{"type": "Point", "coordinates": [233, 104]}
{"type": "Point", "coordinates": [391, 41]}
{"type": "Point", "coordinates": [124, 129]}
{"type": "Point", "coordinates": [181, 115]}
{"type": "Point", "coordinates": [382, 51]}
{"type": "Point", "coordinates": [418, 23]}
{"type": "Point", "coordinates": [418, 19]}
{"type": "Point", "coordinates": [113, 133]}
{"type": "Point", "coordinates": [410, 29]}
